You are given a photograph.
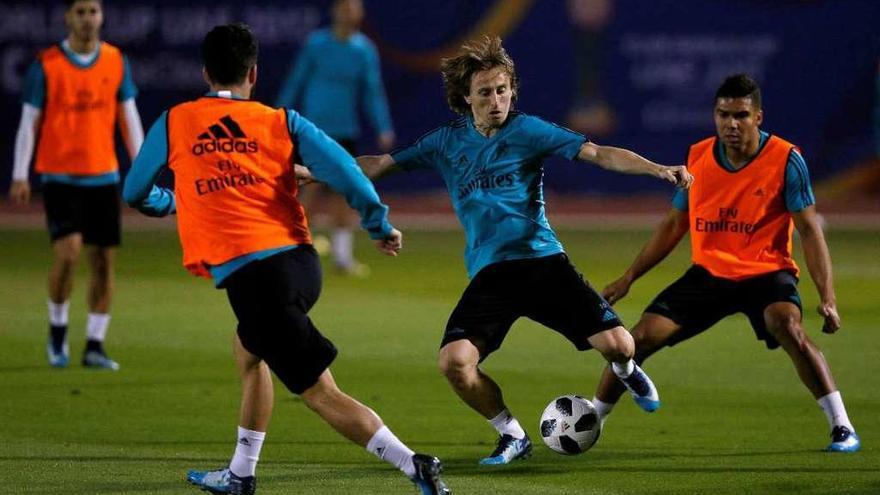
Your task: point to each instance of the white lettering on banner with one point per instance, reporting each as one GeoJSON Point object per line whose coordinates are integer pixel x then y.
{"type": "Point", "coordinates": [279, 25]}
{"type": "Point", "coordinates": [132, 23]}
{"type": "Point", "coordinates": [182, 25]}
{"type": "Point", "coordinates": [167, 71]}
{"type": "Point", "coordinates": [677, 74]}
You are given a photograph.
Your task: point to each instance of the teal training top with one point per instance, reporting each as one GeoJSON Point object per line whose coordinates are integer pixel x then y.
{"type": "Point", "coordinates": [496, 183]}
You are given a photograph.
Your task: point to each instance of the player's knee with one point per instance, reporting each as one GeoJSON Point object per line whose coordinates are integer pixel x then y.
{"type": "Point", "coordinates": [457, 369]}
{"type": "Point", "coordinates": [788, 328]}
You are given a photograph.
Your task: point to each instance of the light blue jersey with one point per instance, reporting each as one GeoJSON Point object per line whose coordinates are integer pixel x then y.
{"type": "Point", "coordinates": [332, 79]}
{"type": "Point", "coordinates": [496, 183]}
{"type": "Point", "coordinates": [797, 190]}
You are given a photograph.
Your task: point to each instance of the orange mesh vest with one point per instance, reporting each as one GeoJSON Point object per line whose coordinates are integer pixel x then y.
{"type": "Point", "coordinates": [234, 183]}
{"type": "Point", "coordinates": [79, 117]}
{"type": "Point", "coordinates": [739, 225]}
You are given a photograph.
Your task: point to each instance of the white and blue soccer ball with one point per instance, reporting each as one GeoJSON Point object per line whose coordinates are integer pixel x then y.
{"type": "Point", "coordinates": [570, 425]}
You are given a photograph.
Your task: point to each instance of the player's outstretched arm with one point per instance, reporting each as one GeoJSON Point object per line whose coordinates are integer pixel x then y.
{"type": "Point", "coordinates": [140, 190]}
{"type": "Point", "coordinates": [818, 261]}
{"type": "Point", "coordinates": [668, 234]}
{"type": "Point", "coordinates": [627, 162]}
{"type": "Point", "coordinates": [376, 166]}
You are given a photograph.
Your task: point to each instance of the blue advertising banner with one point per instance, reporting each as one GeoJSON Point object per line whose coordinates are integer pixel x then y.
{"type": "Point", "coordinates": [631, 73]}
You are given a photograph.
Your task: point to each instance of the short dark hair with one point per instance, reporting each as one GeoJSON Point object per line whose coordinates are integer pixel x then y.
{"type": "Point", "coordinates": [483, 54]}
{"type": "Point", "coordinates": [229, 52]}
{"type": "Point", "coordinates": [740, 86]}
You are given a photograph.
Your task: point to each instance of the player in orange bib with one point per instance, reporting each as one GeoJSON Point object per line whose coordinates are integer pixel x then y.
{"type": "Point", "coordinates": [750, 191]}
{"type": "Point", "coordinates": [74, 94]}
{"type": "Point", "coordinates": [241, 224]}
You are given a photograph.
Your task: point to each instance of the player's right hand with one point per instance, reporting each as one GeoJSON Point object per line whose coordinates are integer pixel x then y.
{"type": "Point", "coordinates": [391, 244]}
{"type": "Point", "coordinates": [616, 290]}
{"type": "Point", "coordinates": [20, 192]}
{"type": "Point", "coordinates": [832, 319]}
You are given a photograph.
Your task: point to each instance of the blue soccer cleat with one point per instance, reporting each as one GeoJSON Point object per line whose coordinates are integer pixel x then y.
{"type": "Point", "coordinates": [844, 440]}
{"type": "Point", "coordinates": [99, 360]}
{"type": "Point", "coordinates": [58, 358]}
{"type": "Point", "coordinates": [223, 481]}
{"type": "Point", "coordinates": [642, 389]}
{"type": "Point", "coordinates": [427, 476]}
{"type": "Point", "coordinates": [508, 449]}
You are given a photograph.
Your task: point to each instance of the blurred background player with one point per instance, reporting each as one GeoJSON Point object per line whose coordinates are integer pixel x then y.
{"type": "Point", "coordinates": [74, 93]}
{"type": "Point", "coordinates": [336, 74]}
{"type": "Point", "coordinates": [491, 160]}
{"type": "Point", "coordinates": [241, 224]}
{"type": "Point", "coordinates": [750, 189]}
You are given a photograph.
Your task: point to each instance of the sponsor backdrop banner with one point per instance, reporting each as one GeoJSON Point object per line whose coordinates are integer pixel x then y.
{"type": "Point", "coordinates": [632, 73]}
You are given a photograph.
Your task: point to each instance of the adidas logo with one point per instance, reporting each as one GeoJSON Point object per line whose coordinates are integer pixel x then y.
{"type": "Point", "coordinates": [244, 441]}
{"type": "Point", "coordinates": [225, 136]}
{"type": "Point", "coordinates": [609, 315]}
{"type": "Point", "coordinates": [759, 192]}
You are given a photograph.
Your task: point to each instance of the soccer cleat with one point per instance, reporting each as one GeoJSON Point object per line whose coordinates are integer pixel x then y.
{"type": "Point", "coordinates": [844, 440]}
{"type": "Point", "coordinates": [58, 358]}
{"type": "Point", "coordinates": [223, 481]}
{"type": "Point", "coordinates": [508, 449]}
{"type": "Point", "coordinates": [427, 476]}
{"type": "Point", "coordinates": [99, 360]}
{"type": "Point", "coordinates": [642, 390]}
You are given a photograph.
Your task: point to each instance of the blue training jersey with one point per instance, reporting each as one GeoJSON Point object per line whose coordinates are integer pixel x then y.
{"type": "Point", "coordinates": [34, 94]}
{"type": "Point", "coordinates": [496, 183]}
{"type": "Point", "coordinates": [332, 79]}
{"type": "Point", "coordinates": [797, 191]}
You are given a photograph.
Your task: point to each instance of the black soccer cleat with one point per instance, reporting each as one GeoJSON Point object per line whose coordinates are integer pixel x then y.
{"type": "Point", "coordinates": [223, 481]}
{"type": "Point", "coordinates": [427, 476]}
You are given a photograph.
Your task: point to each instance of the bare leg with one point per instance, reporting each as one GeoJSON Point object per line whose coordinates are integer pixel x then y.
{"type": "Point", "coordinates": [101, 261]}
{"type": "Point", "coordinates": [459, 362]}
{"type": "Point", "coordinates": [257, 391]}
{"type": "Point", "coordinates": [783, 321]}
{"type": "Point", "coordinates": [346, 415]}
{"type": "Point", "coordinates": [66, 253]}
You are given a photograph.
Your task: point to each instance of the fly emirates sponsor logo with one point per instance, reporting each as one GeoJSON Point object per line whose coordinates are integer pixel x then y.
{"type": "Point", "coordinates": [726, 222]}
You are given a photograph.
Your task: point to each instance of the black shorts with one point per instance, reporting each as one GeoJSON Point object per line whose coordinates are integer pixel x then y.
{"type": "Point", "coordinates": [92, 211]}
{"type": "Point", "coordinates": [548, 290]}
{"type": "Point", "coordinates": [698, 300]}
{"type": "Point", "coordinates": [271, 299]}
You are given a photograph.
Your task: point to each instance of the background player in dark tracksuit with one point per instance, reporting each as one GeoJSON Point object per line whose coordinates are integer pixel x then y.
{"type": "Point", "coordinates": [240, 223]}
{"type": "Point", "coordinates": [336, 74]}
{"type": "Point", "coordinates": [750, 189]}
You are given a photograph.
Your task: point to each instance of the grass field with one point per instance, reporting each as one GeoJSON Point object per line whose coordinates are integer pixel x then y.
{"type": "Point", "coordinates": [735, 417]}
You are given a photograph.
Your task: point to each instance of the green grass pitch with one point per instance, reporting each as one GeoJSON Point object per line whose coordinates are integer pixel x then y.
{"type": "Point", "coordinates": [735, 418]}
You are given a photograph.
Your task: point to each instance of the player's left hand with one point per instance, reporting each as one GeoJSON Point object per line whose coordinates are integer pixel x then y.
{"type": "Point", "coordinates": [303, 175]}
{"type": "Point", "coordinates": [677, 175]}
{"type": "Point", "coordinates": [832, 319]}
{"type": "Point", "coordinates": [391, 244]}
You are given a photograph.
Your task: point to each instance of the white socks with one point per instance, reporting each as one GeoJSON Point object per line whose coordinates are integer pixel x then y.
{"type": "Point", "coordinates": [603, 409]}
{"type": "Point", "coordinates": [623, 370]}
{"type": "Point", "coordinates": [835, 412]}
{"type": "Point", "coordinates": [506, 424]}
{"type": "Point", "coordinates": [96, 326]}
{"type": "Point", "coordinates": [341, 243]}
{"type": "Point", "coordinates": [58, 313]}
{"type": "Point", "coordinates": [389, 448]}
{"type": "Point", "coordinates": [247, 452]}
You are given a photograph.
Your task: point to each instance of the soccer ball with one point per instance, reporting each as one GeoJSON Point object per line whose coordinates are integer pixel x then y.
{"type": "Point", "coordinates": [570, 425]}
